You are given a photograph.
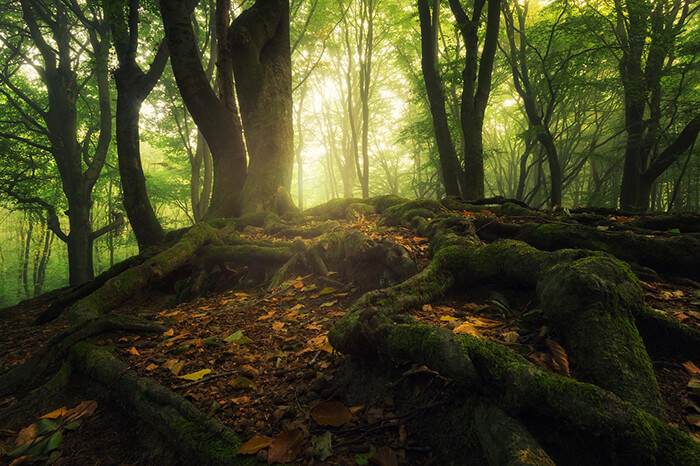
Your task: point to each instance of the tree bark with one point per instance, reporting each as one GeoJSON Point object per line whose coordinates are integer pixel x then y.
{"type": "Point", "coordinates": [218, 123]}
{"type": "Point", "coordinates": [133, 86]}
{"type": "Point", "coordinates": [259, 40]}
{"type": "Point", "coordinates": [449, 163]}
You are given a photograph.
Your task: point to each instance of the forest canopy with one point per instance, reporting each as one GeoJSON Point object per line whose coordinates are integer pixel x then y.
{"type": "Point", "coordinates": [552, 103]}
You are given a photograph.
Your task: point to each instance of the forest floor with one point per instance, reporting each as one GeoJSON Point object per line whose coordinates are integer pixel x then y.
{"type": "Point", "coordinates": [260, 362]}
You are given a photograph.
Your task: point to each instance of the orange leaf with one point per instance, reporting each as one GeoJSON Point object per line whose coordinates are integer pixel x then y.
{"type": "Point", "coordinates": [277, 326]}
{"type": "Point", "coordinates": [691, 368]}
{"type": "Point", "coordinates": [26, 435]}
{"type": "Point", "coordinates": [151, 367]}
{"type": "Point", "coordinates": [298, 284]}
{"type": "Point", "coordinates": [55, 413]}
{"type": "Point", "coordinates": [254, 445]}
{"type": "Point", "coordinates": [169, 333]}
{"type": "Point", "coordinates": [330, 413]}
{"type": "Point", "coordinates": [467, 328]}
{"type": "Point", "coordinates": [285, 447]}
{"type": "Point", "coordinates": [559, 357]}
{"type": "Point", "coordinates": [133, 351]}
{"type": "Point", "coordinates": [198, 343]}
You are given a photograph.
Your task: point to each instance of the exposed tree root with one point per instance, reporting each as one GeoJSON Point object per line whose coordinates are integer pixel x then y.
{"type": "Point", "coordinates": [26, 376]}
{"type": "Point", "coordinates": [519, 413]}
{"type": "Point", "coordinates": [675, 255]}
{"type": "Point", "coordinates": [198, 439]}
{"type": "Point", "coordinates": [591, 297]}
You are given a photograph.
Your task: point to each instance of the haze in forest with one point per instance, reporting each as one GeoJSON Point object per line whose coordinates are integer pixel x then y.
{"type": "Point", "coordinates": [569, 103]}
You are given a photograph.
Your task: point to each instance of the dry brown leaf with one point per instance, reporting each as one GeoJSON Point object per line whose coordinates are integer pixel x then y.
{"type": "Point", "coordinates": [151, 367]}
{"type": "Point", "coordinates": [510, 337]}
{"type": "Point", "coordinates": [277, 326]}
{"type": "Point", "coordinates": [26, 435]}
{"type": "Point", "coordinates": [169, 333]}
{"type": "Point", "coordinates": [285, 447]}
{"type": "Point", "coordinates": [84, 409]}
{"type": "Point", "coordinates": [133, 351]}
{"type": "Point", "coordinates": [254, 445]}
{"type": "Point", "coordinates": [559, 357]}
{"type": "Point", "coordinates": [298, 284]}
{"type": "Point", "coordinates": [486, 323]}
{"type": "Point", "coordinates": [331, 413]}
{"type": "Point", "coordinates": [468, 329]}
{"type": "Point", "coordinates": [384, 456]}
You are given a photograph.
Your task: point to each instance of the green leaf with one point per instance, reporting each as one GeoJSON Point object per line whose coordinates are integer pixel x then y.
{"type": "Point", "coordinates": [675, 230]}
{"type": "Point", "coordinates": [327, 290]}
{"type": "Point", "coordinates": [363, 458]}
{"type": "Point", "coordinates": [44, 426]}
{"type": "Point", "coordinates": [54, 442]}
{"type": "Point", "coordinates": [322, 443]}
{"type": "Point", "coordinates": [212, 341]}
{"type": "Point", "coordinates": [73, 425]}
{"type": "Point", "coordinates": [238, 338]}
{"type": "Point", "coordinates": [17, 452]}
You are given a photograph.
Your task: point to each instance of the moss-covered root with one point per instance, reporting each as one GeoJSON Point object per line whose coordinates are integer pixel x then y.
{"type": "Point", "coordinates": [23, 377]}
{"type": "Point", "coordinates": [199, 440]}
{"type": "Point", "coordinates": [368, 262]}
{"type": "Point", "coordinates": [667, 337]}
{"type": "Point", "coordinates": [675, 255]}
{"type": "Point", "coordinates": [505, 441]}
{"type": "Point", "coordinates": [122, 287]}
{"type": "Point", "coordinates": [581, 417]}
{"type": "Point", "coordinates": [592, 301]}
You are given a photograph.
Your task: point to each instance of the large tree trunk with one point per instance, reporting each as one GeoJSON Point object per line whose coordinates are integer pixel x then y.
{"type": "Point", "coordinates": [259, 40]}
{"type": "Point", "coordinates": [218, 123]}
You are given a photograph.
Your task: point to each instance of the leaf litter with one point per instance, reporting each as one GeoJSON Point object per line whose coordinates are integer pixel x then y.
{"type": "Point", "coordinates": [261, 362]}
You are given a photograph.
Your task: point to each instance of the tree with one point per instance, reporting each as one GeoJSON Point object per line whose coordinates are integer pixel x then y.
{"type": "Point", "coordinates": [256, 49]}
{"type": "Point", "coordinates": [133, 86]}
{"type": "Point", "coordinates": [449, 163]}
{"type": "Point", "coordinates": [654, 67]}
{"type": "Point", "coordinates": [65, 35]}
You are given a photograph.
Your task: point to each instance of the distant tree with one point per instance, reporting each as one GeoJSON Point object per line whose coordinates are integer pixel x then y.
{"type": "Point", "coordinates": [67, 115]}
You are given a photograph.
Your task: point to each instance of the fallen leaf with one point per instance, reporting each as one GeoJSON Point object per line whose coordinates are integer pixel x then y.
{"type": "Point", "coordinates": [559, 357]}
{"type": "Point", "coordinates": [298, 285]}
{"type": "Point", "coordinates": [238, 338]}
{"type": "Point", "coordinates": [323, 446]}
{"type": "Point", "coordinates": [151, 367]}
{"type": "Point", "coordinates": [691, 368]}
{"type": "Point", "coordinates": [510, 337]}
{"type": "Point", "coordinates": [133, 351]}
{"type": "Point", "coordinates": [448, 319]}
{"type": "Point", "coordinates": [254, 445]}
{"type": "Point", "coordinates": [384, 456]}
{"type": "Point", "coordinates": [427, 308]}
{"type": "Point", "coordinates": [55, 413]}
{"type": "Point", "coordinates": [329, 303]}
{"type": "Point", "coordinates": [169, 333]}
{"type": "Point", "coordinates": [285, 447]}
{"type": "Point", "coordinates": [331, 413]}
{"type": "Point", "coordinates": [296, 308]}
{"type": "Point", "coordinates": [26, 435]}
{"type": "Point", "coordinates": [693, 419]}
{"type": "Point", "coordinates": [468, 329]}
{"type": "Point", "coordinates": [486, 323]}
{"type": "Point", "coordinates": [84, 409]}
{"type": "Point", "coordinates": [326, 290]}
{"type": "Point", "coordinates": [241, 382]}
{"type": "Point", "coordinates": [194, 376]}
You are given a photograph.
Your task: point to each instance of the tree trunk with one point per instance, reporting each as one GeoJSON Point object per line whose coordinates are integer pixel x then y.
{"type": "Point", "coordinates": [476, 87]}
{"type": "Point", "coordinates": [259, 40]}
{"type": "Point", "coordinates": [218, 123]}
{"type": "Point", "coordinates": [133, 86]}
{"type": "Point", "coordinates": [449, 163]}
